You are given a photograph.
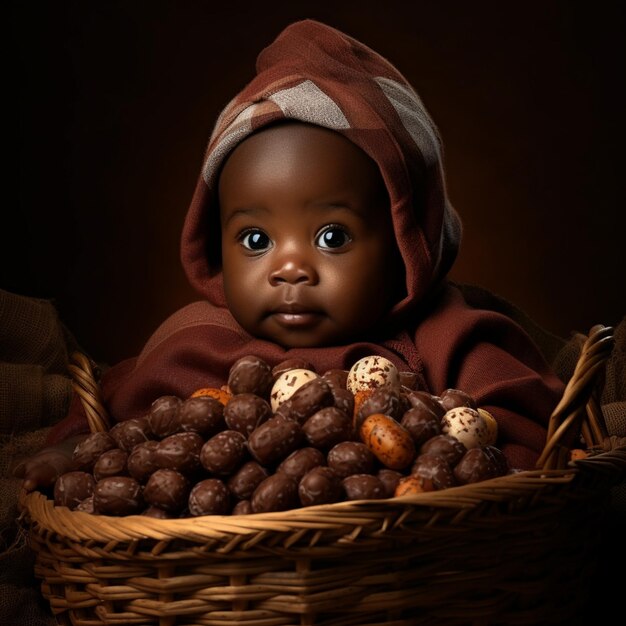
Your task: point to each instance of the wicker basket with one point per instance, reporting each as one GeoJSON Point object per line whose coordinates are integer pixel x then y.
{"type": "Point", "coordinates": [512, 550]}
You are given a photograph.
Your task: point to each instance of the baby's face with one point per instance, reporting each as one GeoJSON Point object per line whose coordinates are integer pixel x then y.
{"type": "Point", "coordinates": [308, 252]}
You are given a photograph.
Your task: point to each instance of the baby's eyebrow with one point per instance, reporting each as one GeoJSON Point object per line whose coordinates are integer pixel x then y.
{"type": "Point", "coordinates": [244, 212]}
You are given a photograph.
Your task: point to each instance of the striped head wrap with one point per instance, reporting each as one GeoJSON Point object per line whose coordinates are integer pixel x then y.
{"type": "Point", "coordinates": [316, 74]}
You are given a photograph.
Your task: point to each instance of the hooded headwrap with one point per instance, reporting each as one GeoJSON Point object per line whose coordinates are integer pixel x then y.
{"type": "Point", "coordinates": [316, 74]}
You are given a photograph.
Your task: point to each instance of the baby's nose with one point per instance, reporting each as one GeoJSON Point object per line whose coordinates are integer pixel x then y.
{"type": "Point", "coordinates": [293, 272]}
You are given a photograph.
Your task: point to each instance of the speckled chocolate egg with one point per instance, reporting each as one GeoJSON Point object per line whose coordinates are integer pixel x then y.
{"type": "Point", "coordinates": [246, 479]}
{"type": "Point", "coordinates": [223, 453]}
{"type": "Point", "coordinates": [351, 457]}
{"type": "Point", "coordinates": [384, 400]}
{"type": "Point", "coordinates": [129, 433]}
{"type": "Point", "coordinates": [307, 400]}
{"type": "Point", "coordinates": [201, 414]}
{"type": "Point", "coordinates": [327, 427]}
{"type": "Point", "coordinates": [300, 461]}
{"type": "Point", "coordinates": [209, 497]}
{"type": "Point", "coordinates": [141, 461]}
{"type": "Point", "coordinates": [278, 492]}
{"type": "Point", "coordinates": [476, 465]}
{"type": "Point", "coordinates": [445, 446]}
{"type": "Point", "coordinates": [364, 487]}
{"type": "Point", "coordinates": [435, 471]}
{"type": "Point", "coordinates": [167, 489]}
{"type": "Point", "coordinates": [390, 479]}
{"type": "Point", "coordinates": [320, 485]}
{"type": "Point", "coordinates": [71, 488]}
{"type": "Point", "coordinates": [467, 425]}
{"type": "Point", "coordinates": [286, 385]}
{"type": "Point", "coordinates": [336, 378]}
{"type": "Point", "coordinates": [453, 398]}
{"type": "Point", "coordinates": [111, 463]}
{"type": "Point", "coordinates": [180, 452]}
{"type": "Point", "coordinates": [291, 364]}
{"type": "Point", "coordinates": [163, 416]}
{"type": "Point", "coordinates": [421, 423]}
{"type": "Point", "coordinates": [389, 441]}
{"type": "Point", "coordinates": [245, 412]}
{"type": "Point", "coordinates": [372, 371]}
{"type": "Point", "coordinates": [274, 440]}
{"type": "Point", "coordinates": [250, 374]}
{"type": "Point", "coordinates": [117, 495]}
{"type": "Point", "coordinates": [88, 451]}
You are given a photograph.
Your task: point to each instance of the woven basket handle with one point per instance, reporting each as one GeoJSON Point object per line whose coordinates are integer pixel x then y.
{"type": "Point", "coordinates": [579, 410]}
{"type": "Point", "coordinates": [84, 381]}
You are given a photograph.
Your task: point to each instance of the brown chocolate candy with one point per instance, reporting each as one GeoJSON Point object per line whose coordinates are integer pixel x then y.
{"type": "Point", "coordinates": [423, 399]}
{"type": "Point", "coordinates": [111, 463]}
{"type": "Point", "coordinates": [274, 440]}
{"type": "Point", "coordinates": [250, 374]}
{"type": "Point", "coordinates": [278, 492]}
{"type": "Point", "coordinates": [343, 400]}
{"type": "Point", "coordinates": [141, 461]}
{"type": "Point", "coordinates": [88, 451]}
{"type": "Point", "coordinates": [422, 424]}
{"type": "Point", "coordinates": [336, 378]}
{"type": "Point", "coordinates": [408, 380]}
{"type": "Point", "coordinates": [163, 416]}
{"type": "Point", "coordinates": [385, 400]}
{"type": "Point", "coordinates": [167, 489]}
{"type": "Point", "coordinates": [390, 479]}
{"type": "Point", "coordinates": [475, 465]}
{"type": "Point", "coordinates": [180, 452]}
{"type": "Point", "coordinates": [351, 457]}
{"type": "Point", "coordinates": [308, 399]}
{"type": "Point", "coordinates": [201, 414]}
{"type": "Point", "coordinates": [246, 479]}
{"type": "Point", "coordinates": [320, 485]}
{"type": "Point", "coordinates": [445, 446]}
{"type": "Point", "coordinates": [72, 488]}
{"type": "Point", "coordinates": [364, 487]}
{"type": "Point", "coordinates": [327, 427]}
{"type": "Point", "coordinates": [209, 497]}
{"type": "Point", "coordinates": [224, 452]}
{"type": "Point", "coordinates": [452, 398]}
{"type": "Point", "coordinates": [157, 513]}
{"type": "Point", "coordinates": [86, 505]}
{"type": "Point", "coordinates": [117, 495]}
{"type": "Point", "coordinates": [129, 433]}
{"type": "Point", "coordinates": [435, 471]}
{"type": "Point", "coordinates": [245, 412]}
{"type": "Point", "coordinates": [299, 462]}
{"type": "Point", "coordinates": [243, 507]}
{"type": "Point", "coordinates": [291, 364]}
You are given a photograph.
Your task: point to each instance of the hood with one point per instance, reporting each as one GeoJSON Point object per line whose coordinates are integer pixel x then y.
{"type": "Point", "coordinates": [316, 74]}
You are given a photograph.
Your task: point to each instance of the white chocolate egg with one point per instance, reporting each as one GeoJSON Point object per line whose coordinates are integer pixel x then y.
{"type": "Point", "coordinates": [467, 425]}
{"type": "Point", "coordinates": [371, 372]}
{"type": "Point", "coordinates": [287, 383]}
{"type": "Point", "coordinates": [492, 428]}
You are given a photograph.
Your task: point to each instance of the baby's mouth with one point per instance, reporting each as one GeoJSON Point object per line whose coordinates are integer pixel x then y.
{"type": "Point", "coordinates": [294, 315]}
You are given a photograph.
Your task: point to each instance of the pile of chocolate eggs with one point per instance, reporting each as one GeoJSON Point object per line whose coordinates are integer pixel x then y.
{"type": "Point", "coordinates": [280, 438]}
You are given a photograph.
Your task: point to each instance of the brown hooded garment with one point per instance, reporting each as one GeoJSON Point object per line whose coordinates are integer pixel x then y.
{"type": "Point", "coordinates": [318, 75]}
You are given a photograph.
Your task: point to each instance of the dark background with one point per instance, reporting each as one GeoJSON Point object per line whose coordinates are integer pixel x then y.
{"type": "Point", "coordinates": [115, 101]}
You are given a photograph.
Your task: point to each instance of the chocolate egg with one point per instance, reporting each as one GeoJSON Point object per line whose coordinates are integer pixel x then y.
{"type": "Point", "coordinates": [111, 463]}
{"type": "Point", "coordinates": [327, 427]}
{"type": "Point", "coordinates": [223, 453]}
{"type": "Point", "coordinates": [291, 364]}
{"type": "Point", "coordinates": [117, 495]}
{"type": "Point", "coordinates": [286, 385]}
{"type": "Point", "coordinates": [141, 461]}
{"type": "Point", "coordinates": [245, 412]}
{"type": "Point", "coordinates": [390, 479]}
{"type": "Point", "coordinates": [71, 488]}
{"type": "Point", "coordinates": [351, 457]}
{"type": "Point", "coordinates": [167, 489]}
{"type": "Point", "coordinates": [277, 492]}
{"type": "Point", "coordinates": [307, 399]}
{"type": "Point", "coordinates": [454, 398]}
{"type": "Point", "coordinates": [180, 452]}
{"type": "Point", "coordinates": [300, 461]}
{"type": "Point", "coordinates": [372, 371]}
{"type": "Point", "coordinates": [274, 440]}
{"type": "Point", "coordinates": [201, 414]}
{"type": "Point", "coordinates": [389, 441]}
{"type": "Point", "coordinates": [88, 451]}
{"type": "Point", "coordinates": [421, 423]}
{"type": "Point", "coordinates": [467, 425]}
{"type": "Point", "coordinates": [445, 446]}
{"type": "Point", "coordinates": [320, 485]}
{"type": "Point", "coordinates": [163, 416]}
{"type": "Point", "coordinates": [250, 374]}
{"type": "Point", "coordinates": [209, 497]}
{"type": "Point", "coordinates": [129, 433]}
{"type": "Point", "coordinates": [435, 471]}
{"type": "Point", "coordinates": [246, 479]}
{"type": "Point", "coordinates": [364, 487]}
{"type": "Point", "coordinates": [384, 400]}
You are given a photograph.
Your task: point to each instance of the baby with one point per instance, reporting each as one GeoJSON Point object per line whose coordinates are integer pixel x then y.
{"type": "Point", "coordinates": [320, 230]}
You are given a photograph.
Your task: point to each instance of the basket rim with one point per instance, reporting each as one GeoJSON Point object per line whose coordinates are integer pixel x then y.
{"type": "Point", "coordinates": [44, 516]}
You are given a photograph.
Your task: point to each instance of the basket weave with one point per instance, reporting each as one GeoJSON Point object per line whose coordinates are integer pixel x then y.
{"type": "Point", "coordinates": [518, 549]}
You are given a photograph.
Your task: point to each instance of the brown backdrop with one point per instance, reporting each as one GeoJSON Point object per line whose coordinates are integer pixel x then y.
{"type": "Point", "coordinates": [115, 102]}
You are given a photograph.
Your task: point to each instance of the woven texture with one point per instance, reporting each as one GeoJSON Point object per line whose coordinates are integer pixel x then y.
{"type": "Point", "coordinates": [513, 550]}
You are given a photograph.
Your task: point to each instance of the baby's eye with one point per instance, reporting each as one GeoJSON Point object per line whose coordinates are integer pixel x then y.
{"type": "Point", "coordinates": [333, 236]}
{"type": "Point", "coordinates": [255, 240]}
